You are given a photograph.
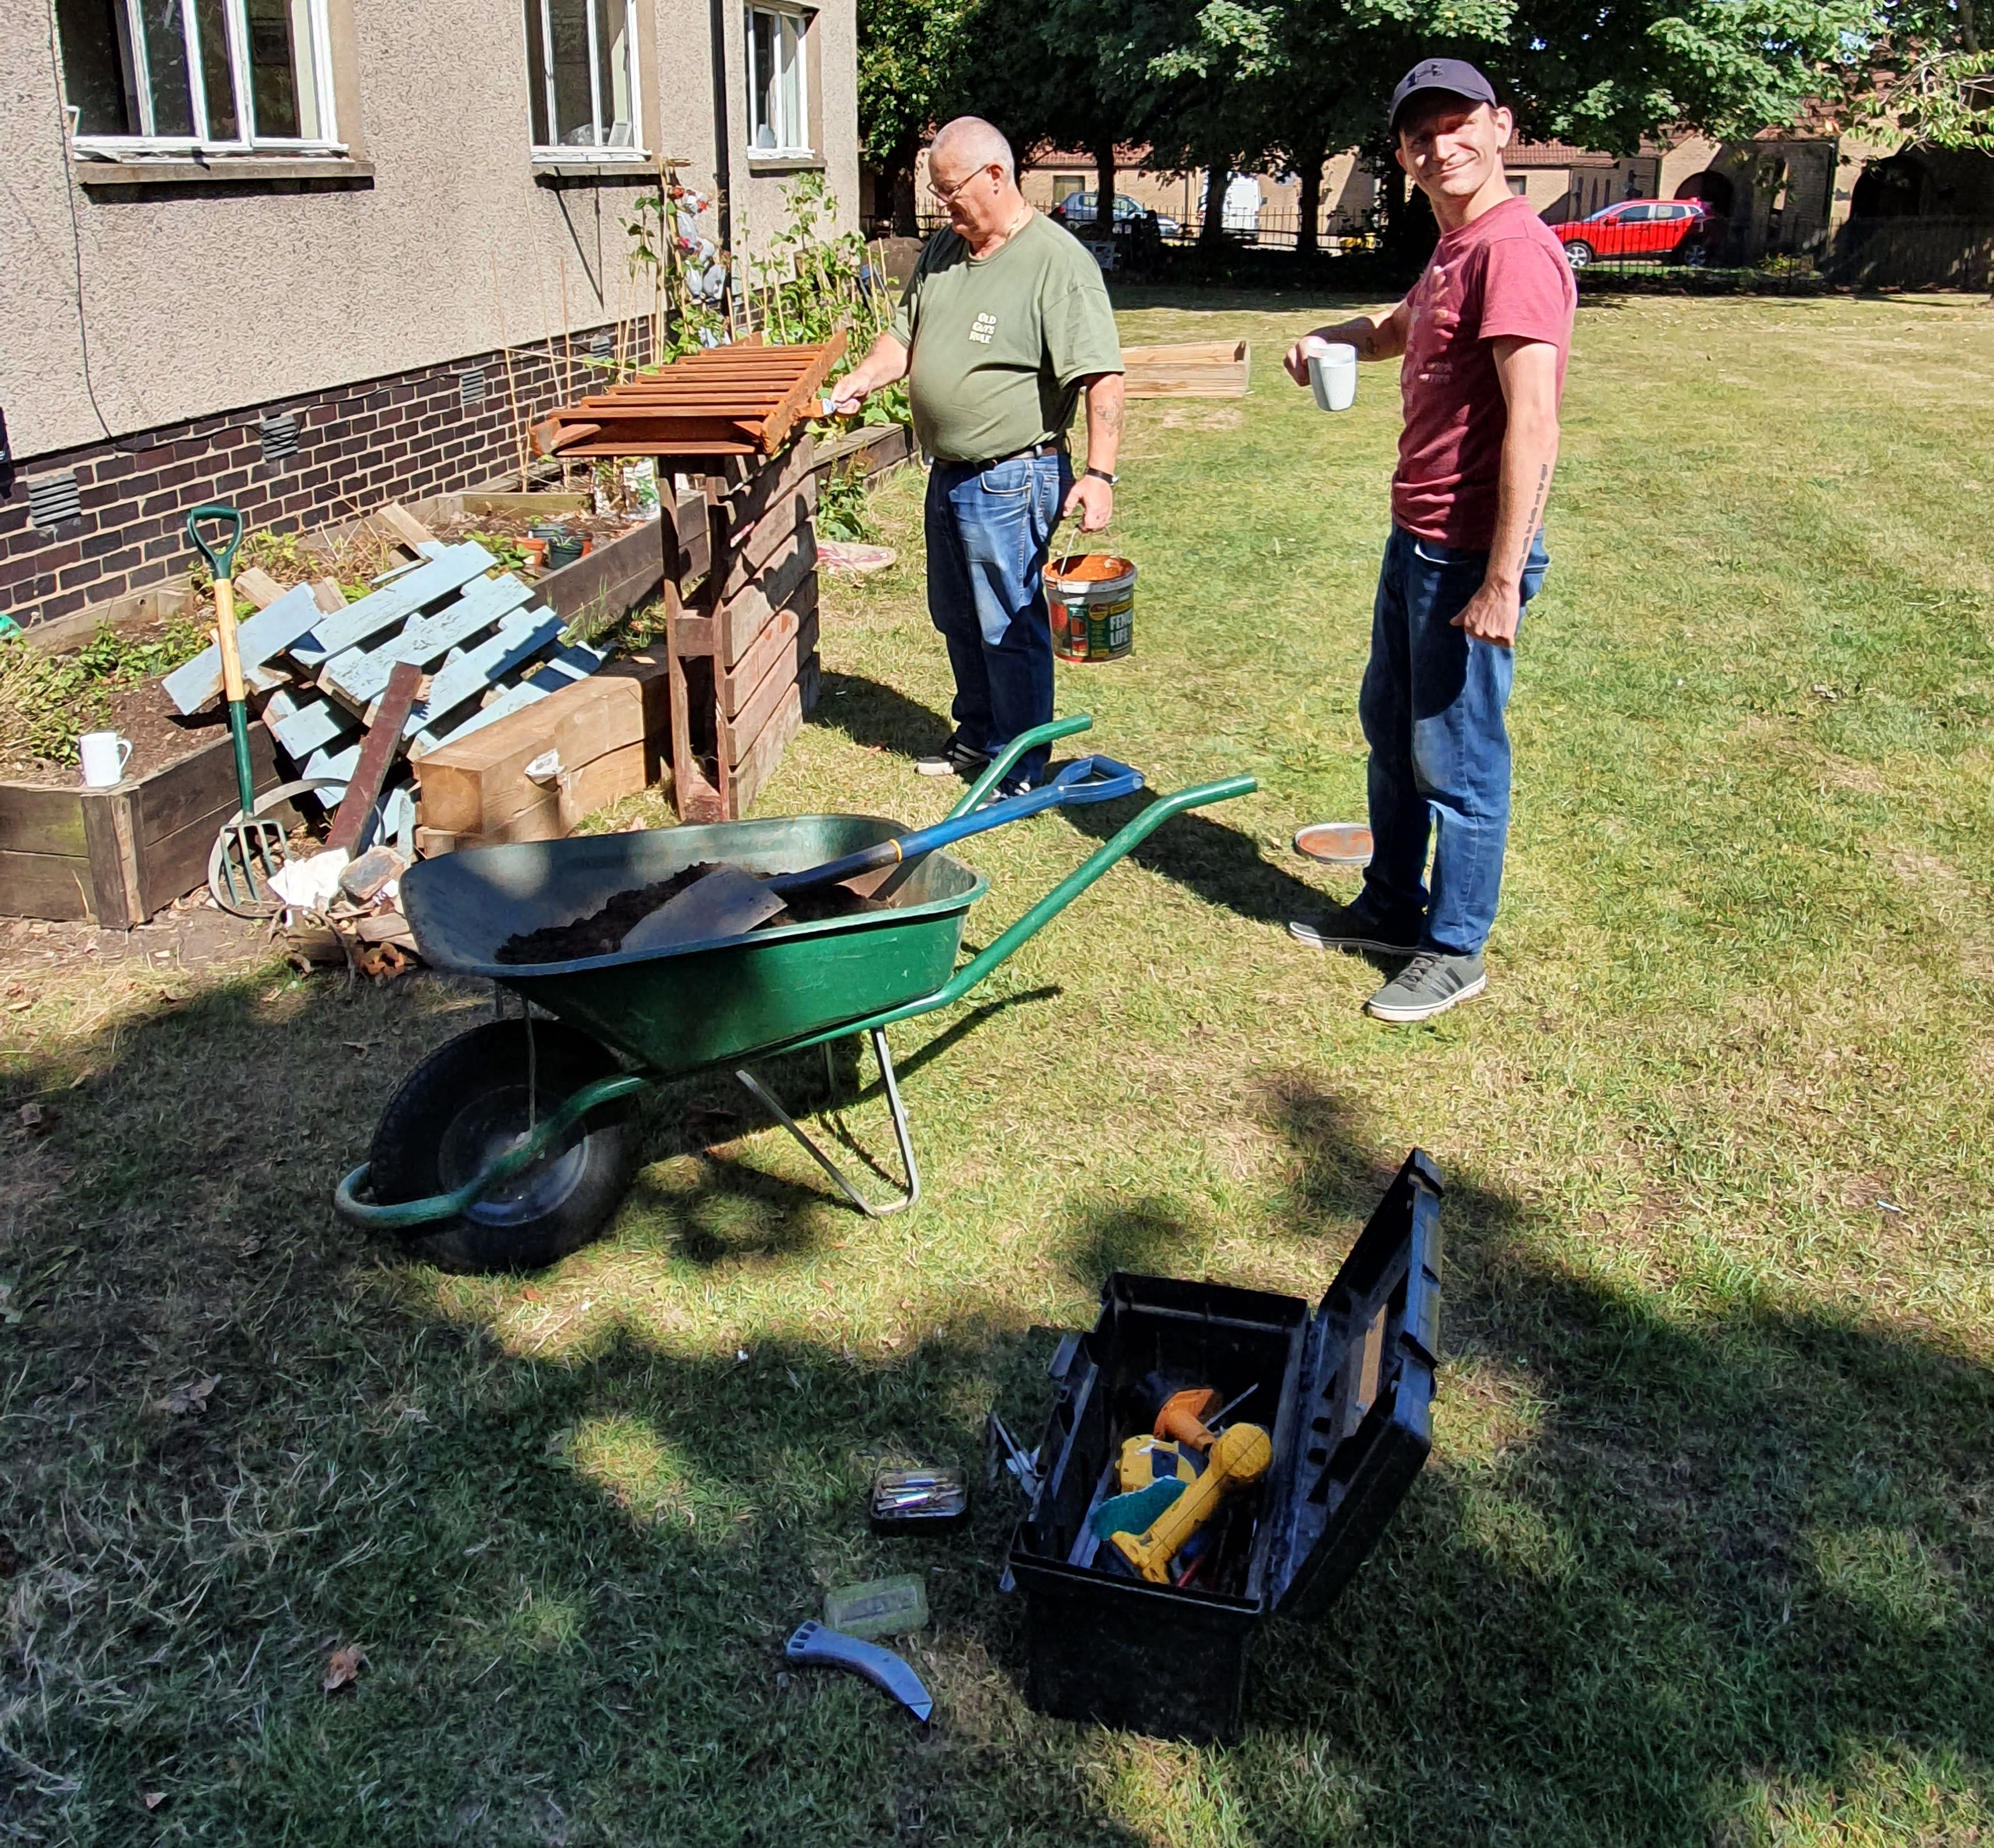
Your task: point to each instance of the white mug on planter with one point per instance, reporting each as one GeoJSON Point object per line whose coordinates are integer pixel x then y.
{"type": "Point", "coordinates": [1332, 374]}
{"type": "Point", "coordinates": [104, 756]}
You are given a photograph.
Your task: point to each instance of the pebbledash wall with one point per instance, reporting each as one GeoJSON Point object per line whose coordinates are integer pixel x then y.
{"type": "Point", "coordinates": [433, 430]}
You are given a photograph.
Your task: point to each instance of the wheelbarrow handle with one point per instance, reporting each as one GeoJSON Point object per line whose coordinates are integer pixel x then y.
{"type": "Point", "coordinates": [1138, 831]}
{"type": "Point", "coordinates": [995, 771]}
{"type": "Point", "coordinates": [221, 564]}
{"type": "Point", "coordinates": [1088, 780]}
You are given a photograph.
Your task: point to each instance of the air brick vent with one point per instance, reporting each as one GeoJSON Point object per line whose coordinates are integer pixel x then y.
{"type": "Point", "coordinates": [470, 384]}
{"type": "Point", "coordinates": [279, 435]}
{"type": "Point", "coordinates": [53, 498]}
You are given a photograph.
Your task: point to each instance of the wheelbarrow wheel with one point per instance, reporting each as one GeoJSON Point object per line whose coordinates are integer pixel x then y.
{"type": "Point", "coordinates": [464, 1105]}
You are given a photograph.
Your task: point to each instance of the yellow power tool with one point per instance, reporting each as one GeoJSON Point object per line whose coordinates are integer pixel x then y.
{"type": "Point", "coordinates": [1239, 1456]}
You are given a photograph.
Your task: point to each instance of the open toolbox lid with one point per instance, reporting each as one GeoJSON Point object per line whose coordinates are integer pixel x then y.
{"type": "Point", "coordinates": [1361, 1423]}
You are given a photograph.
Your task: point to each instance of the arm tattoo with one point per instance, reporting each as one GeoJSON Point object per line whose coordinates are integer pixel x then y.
{"type": "Point", "coordinates": [1109, 411]}
{"type": "Point", "coordinates": [1536, 511]}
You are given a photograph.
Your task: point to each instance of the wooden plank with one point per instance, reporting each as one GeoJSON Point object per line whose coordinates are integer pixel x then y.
{"type": "Point", "coordinates": [158, 603]}
{"type": "Point", "coordinates": [193, 683]}
{"type": "Point", "coordinates": [259, 586]}
{"type": "Point", "coordinates": [784, 646]}
{"type": "Point", "coordinates": [469, 785]}
{"type": "Point", "coordinates": [405, 527]}
{"type": "Point", "coordinates": [775, 427]}
{"type": "Point", "coordinates": [656, 434]}
{"type": "Point", "coordinates": [759, 705]}
{"type": "Point", "coordinates": [768, 483]}
{"type": "Point", "coordinates": [419, 588]}
{"type": "Point", "coordinates": [45, 885]}
{"type": "Point", "coordinates": [112, 842]}
{"type": "Point", "coordinates": [360, 679]}
{"type": "Point", "coordinates": [759, 759]}
{"type": "Point", "coordinates": [310, 726]}
{"type": "Point", "coordinates": [328, 596]}
{"type": "Point", "coordinates": [741, 623]}
{"type": "Point", "coordinates": [201, 784]}
{"type": "Point", "coordinates": [774, 537]}
{"type": "Point", "coordinates": [604, 779]}
{"type": "Point", "coordinates": [377, 754]}
{"type": "Point", "coordinates": [1195, 369]}
{"type": "Point", "coordinates": [508, 700]}
{"type": "Point", "coordinates": [527, 503]}
{"type": "Point", "coordinates": [35, 819]}
{"type": "Point", "coordinates": [523, 635]}
{"type": "Point", "coordinates": [610, 581]}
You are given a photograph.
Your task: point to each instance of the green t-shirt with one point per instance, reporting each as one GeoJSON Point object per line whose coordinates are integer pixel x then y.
{"type": "Point", "coordinates": [1000, 344]}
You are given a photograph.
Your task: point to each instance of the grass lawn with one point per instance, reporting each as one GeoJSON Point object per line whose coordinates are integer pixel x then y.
{"type": "Point", "coordinates": [1705, 1550]}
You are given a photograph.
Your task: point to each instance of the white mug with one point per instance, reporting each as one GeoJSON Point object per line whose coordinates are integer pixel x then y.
{"type": "Point", "coordinates": [104, 756]}
{"type": "Point", "coordinates": [1333, 375]}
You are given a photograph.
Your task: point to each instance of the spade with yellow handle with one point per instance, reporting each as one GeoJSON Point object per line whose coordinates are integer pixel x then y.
{"type": "Point", "coordinates": [251, 851]}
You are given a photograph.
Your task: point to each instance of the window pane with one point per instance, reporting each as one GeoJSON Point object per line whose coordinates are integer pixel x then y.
{"type": "Point", "coordinates": [166, 66]}
{"type": "Point", "coordinates": [275, 72]}
{"type": "Point", "coordinates": [792, 129]}
{"type": "Point", "coordinates": [763, 70]}
{"type": "Point", "coordinates": [613, 42]}
{"type": "Point", "coordinates": [93, 65]}
{"type": "Point", "coordinates": [536, 75]}
{"type": "Point", "coordinates": [574, 109]}
{"type": "Point", "coordinates": [222, 123]}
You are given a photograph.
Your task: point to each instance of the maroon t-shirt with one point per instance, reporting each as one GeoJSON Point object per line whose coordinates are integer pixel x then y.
{"type": "Point", "coordinates": [1504, 273]}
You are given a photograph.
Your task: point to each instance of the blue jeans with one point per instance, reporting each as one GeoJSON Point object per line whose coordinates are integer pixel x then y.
{"type": "Point", "coordinates": [1432, 711]}
{"type": "Point", "coordinates": [988, 536]}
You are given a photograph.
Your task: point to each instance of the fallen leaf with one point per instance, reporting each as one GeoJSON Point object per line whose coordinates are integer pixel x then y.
{"type": "Point", "coordinates": [192, 1396]}
{"type": "Point", "coordinates": [153, 1798]}
{"type": "Point", "coordinates": [32, 1116]}
{"type": "Point", "coordinates": [342, 1668]}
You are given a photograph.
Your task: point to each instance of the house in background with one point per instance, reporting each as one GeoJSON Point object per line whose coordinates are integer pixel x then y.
{"type": "Point", "coordinates": [305, 255]}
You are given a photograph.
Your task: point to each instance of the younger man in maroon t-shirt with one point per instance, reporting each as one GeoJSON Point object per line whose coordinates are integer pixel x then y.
{"type": "Point", "coordinates": [1485, 334]}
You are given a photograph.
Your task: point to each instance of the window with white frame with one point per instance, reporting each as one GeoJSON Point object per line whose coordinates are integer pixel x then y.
{"type": "Point", "coordinates": [581, 69]}
{"type": "Point", "coordinates": [778, 85]}
{"type": "Point", "coordinates": [207, 75]}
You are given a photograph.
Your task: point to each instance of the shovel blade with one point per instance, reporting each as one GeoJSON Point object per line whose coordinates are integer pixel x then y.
{"type": "Point", "coordinates": [727, 903]}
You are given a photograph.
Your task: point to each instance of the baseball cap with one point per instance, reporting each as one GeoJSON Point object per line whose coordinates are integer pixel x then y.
{"type": "Point", "coordinates": [1455, 75]}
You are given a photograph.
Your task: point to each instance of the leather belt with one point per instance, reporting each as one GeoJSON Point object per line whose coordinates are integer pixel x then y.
{"type": "Point", "coordinates": [1056, 447]}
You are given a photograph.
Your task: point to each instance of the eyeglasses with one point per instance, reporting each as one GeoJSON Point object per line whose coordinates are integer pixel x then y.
{"type": "Point", "coordinates": [947, 193]}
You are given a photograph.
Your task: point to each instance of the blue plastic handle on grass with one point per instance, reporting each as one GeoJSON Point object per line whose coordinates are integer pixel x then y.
{"type": "Point", "coordinates": [1090, 780]}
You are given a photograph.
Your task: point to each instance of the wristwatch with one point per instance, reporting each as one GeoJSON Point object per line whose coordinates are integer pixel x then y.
{"type": "Point", "coordinates": [1101, 475]}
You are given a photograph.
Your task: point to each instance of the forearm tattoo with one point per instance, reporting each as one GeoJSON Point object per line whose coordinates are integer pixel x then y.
{"type": "Point", "coordinates": [1536, 513]}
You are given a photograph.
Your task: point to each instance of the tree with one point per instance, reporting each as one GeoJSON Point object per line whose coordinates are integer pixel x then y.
{"type": "Point", "coordinates": [910, 60]}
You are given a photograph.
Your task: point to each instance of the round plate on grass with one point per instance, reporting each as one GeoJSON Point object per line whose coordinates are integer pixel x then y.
{"type": "Point", "coordinates": [1336, 843]}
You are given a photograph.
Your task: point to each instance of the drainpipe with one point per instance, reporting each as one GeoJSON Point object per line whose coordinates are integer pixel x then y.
{"type": "Point", "coordinates": [722, 180]}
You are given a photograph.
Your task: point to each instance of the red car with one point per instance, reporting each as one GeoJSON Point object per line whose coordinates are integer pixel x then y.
{"type": "Point", "coordinates": [1684, 229]}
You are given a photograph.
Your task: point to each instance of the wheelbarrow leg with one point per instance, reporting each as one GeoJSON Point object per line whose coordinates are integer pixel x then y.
{"type": "Point", "coordinates": [901, 1134]}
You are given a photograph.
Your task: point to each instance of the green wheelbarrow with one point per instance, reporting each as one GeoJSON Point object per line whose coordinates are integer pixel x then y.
{"type": "Point", "coordinates": [512, 1145]}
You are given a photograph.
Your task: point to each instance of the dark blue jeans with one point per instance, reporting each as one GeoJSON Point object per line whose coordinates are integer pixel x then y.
{"type": "Point", "coordinates": [988, 535]}
{"type": "Point", "coordinates": [1432, 711]}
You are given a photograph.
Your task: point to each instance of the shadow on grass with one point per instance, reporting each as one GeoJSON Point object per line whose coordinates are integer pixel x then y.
{"type": "Point", "coordinates": [1665, 1561]}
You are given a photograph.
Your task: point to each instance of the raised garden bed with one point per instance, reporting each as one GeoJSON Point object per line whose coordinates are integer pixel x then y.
{"type": "Point", "coordinates": [114, 856]}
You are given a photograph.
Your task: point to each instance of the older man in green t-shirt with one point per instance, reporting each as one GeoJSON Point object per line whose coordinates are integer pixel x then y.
{"type": "Point", "coordinates": [1005, 321]}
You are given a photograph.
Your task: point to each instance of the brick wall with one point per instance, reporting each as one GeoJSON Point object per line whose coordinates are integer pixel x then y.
{"type": "Point", "coordinates": [395, 438]}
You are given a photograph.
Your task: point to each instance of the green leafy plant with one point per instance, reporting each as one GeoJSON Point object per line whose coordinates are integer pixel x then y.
{"type": "Point", "coordinates": [843, 510]}
{"type": "Point", "coordinates": [47, 701]}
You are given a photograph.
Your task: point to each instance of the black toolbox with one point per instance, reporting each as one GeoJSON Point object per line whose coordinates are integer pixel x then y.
{"type": "Point", "coordinates": [1351, 1389]}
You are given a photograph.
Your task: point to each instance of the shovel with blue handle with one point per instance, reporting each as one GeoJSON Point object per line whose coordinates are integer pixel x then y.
{"type": "Point", "coordinates": [731, 901]}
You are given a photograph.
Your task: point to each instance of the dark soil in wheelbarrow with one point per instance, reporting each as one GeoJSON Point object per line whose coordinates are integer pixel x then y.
{"type": "Point", "coordinates": [601, 933]}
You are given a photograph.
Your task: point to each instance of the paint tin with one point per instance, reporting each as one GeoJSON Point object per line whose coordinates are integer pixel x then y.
{"type": "Point", "coordinates": [1092, 599]}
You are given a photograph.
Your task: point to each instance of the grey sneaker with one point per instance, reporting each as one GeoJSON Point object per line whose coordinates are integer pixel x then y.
{"type": "Point", "coordinates": [1356, 927]}
{"type": "Point", "coordinates": [955, 759]}
{"type": "Point", "coordinates": [1432, 983]}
